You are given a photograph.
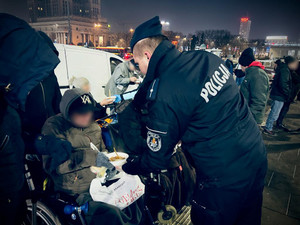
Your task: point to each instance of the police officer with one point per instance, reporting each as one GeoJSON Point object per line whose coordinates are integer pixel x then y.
{"type": "Point", "coordinates": [192, 97]}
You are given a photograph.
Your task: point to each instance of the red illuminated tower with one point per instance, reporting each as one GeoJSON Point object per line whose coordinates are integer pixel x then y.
{"type": "Point", "coordinates": [245, 26]}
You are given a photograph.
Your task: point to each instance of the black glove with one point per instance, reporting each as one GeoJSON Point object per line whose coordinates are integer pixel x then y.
{"type": "Point", "coordinates": [133, 167]}
{"type": "Point", "coordinates": [59, 150]}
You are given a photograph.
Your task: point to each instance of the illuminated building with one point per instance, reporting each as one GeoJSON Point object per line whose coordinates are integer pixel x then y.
{"type": "Point", "coordinates": [245, 26]}
{"type": "Point", "coordinates": [69, 21]}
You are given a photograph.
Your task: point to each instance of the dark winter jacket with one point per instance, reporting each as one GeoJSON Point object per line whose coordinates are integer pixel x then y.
{"type": "Point", "coordinates": [281, 88]}
{"type": "Point", "coordinates": [295, 84]}
{"type": "Point", "coordinates": [25, 59]}
{"type": "Point", "coordinates": [42, 102]}
{"type": "Point", "coordinates": [191, 96]}
{"type": "Point", "coordinates": [11, 150]}
{"type": "Point", "coordinates": [255, 89]}
{"type": "Point", "coordinates": [73, 176]}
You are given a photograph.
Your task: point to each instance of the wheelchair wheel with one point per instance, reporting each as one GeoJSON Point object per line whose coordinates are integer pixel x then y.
{"type": "Point", "coordinates": [44, 215]}
{"type": "Point", "coordinates": [168, 216]}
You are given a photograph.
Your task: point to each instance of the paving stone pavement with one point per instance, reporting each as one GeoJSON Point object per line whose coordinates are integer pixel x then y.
{"type": "Point", "coordinates": [281, 205]}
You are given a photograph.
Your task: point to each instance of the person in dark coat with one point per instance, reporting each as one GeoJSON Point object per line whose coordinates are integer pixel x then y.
{"type": "Point", "coordinates": [255, 87]}
{"type": "Point", "coordinates": [12, 202]}
{"type": "Point", "coordinates": [42, 102]}
{"type": "Point", "coordinates": [286, 106]}
{"type": "Point", "coordinates": [35, 62]}
{"type": "Point", "coordinates": [229, 65]}
{"type": "Point", "coordinates": [281, 90]}
{"type": "Point", "coordinates": [192, 97]}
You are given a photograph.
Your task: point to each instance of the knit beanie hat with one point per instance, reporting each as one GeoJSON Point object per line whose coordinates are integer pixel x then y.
{"type": "Point", "coordinates": [247, 57]}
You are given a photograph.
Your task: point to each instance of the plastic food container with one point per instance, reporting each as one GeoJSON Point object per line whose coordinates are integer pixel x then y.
{"type": "Point", "coordinates": [120, 162]}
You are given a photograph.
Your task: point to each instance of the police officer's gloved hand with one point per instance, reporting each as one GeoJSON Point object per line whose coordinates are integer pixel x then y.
{"type": "Point", "coordinates": [118, 99]}
{"type": "Point", "coordinates": [132, 166]}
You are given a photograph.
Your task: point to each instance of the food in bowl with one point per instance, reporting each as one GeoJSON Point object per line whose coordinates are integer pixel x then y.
{"type": "Point", "coordinates": [116, 158]}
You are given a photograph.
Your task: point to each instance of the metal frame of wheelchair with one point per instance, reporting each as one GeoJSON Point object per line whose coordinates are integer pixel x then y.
{"type": "Point", "coordinates": [45, 208]}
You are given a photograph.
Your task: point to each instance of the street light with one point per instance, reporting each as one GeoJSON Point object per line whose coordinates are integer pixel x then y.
{"type": "Point", "coordinates": [97, 25]}
{"type": "Point", "coordinates": [165, 24]}
{"type": "Point", "coordinates": [131, 30]}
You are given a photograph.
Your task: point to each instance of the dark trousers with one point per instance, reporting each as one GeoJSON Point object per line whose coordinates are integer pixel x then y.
{"type": "Point", "coordinates": [239, 204]}
{"type": "Point", "coordinates": [102, 213]}
{"type": "Point", "coordinates": [12, 208]}
{"type": "Point", "coordinates": [283, 112]}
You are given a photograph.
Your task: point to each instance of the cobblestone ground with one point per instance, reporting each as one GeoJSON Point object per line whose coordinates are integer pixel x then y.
{"type": "Point", "coordinates": [281, 205]}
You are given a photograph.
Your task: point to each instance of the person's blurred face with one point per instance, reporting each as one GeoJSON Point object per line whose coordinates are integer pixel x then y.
{"type": "Point", "coordinates": [81, 120]}
{"type": "Point", "coordinates": [293, 65]}
{"type": "Point", "coordinates": [142, 60]}
{"type": "Point", "coordinates": [86, 88]}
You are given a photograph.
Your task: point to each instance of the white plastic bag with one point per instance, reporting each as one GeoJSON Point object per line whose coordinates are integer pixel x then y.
{"type": "Point", "coordinates": [121, 194]}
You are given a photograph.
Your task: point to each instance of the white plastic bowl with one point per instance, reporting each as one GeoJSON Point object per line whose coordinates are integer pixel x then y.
{"type": "Point", "coordinates": [118, 163]}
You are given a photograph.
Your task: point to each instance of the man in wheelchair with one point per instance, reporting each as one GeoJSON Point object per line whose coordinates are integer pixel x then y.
{"type": "Point", "coordinates": [70, 145]}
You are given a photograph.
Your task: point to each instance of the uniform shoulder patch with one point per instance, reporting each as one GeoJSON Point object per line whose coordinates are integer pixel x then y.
{"type": "Point", "coordinates": [153, 141]}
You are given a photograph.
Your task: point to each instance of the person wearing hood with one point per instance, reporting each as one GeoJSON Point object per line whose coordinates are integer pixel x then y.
{"type": "Point", "coordinates": [42, 102]}
{"type": "Point", "coordinates": [281, 91]}
{"type": "Point", "coordinates": [75, 125]}
{"type": "Point", "coordinates": [70, 166]}
{"type": "Point", "coordinates": [35, 62]}
{"type": "Point", "coordinates": [255, 86]}
{"type": "Point", "coordinates": [123, 75]}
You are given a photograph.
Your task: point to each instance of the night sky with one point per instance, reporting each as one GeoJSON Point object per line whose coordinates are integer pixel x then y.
{"type": "Point", "coordinates": [269, 17]}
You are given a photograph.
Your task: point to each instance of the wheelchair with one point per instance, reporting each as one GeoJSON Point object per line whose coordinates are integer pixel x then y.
{"type": "Point", "coordinates": [46, 207]}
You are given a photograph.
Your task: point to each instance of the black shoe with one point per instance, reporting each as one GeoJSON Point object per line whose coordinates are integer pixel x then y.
{"type": "Point", "coordinates": [282, 127]}
{"type": "Point", "coordinates": [268, 132]}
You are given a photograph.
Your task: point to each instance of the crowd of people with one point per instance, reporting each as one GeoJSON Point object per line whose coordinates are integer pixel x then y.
{"type": "Point", "coordinates": [189, 98]}
{"type": "Point", "coordinates": [256, 88]}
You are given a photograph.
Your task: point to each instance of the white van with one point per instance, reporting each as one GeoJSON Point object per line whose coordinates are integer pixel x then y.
{"type": "Point", "coordinates": [95, 65]}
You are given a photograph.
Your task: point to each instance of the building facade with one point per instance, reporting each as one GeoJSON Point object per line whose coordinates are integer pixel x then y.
{"type": "Point", "coordinates": [245, 26]}
{"type": "Point", "coordinates": [281, 50]}
{"type": "Point", "coordinates": [276, 40]}
{"type": "Point", "coordinates": [77, 22]}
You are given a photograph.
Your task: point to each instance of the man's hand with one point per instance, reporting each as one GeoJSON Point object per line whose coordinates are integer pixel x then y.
{"type": "Point", "coordinates": [133, 79]}
{"type": "Point", "coordinates": [108, 101]}
{"type": "Point", "coordinates": [132, 168]}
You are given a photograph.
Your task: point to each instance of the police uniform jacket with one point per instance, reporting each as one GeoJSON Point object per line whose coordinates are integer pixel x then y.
{"type": "Point", "coordinates": [192, 97]}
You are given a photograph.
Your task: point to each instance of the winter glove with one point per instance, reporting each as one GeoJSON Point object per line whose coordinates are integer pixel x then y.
{"type": "Point", "coordinates": [59, 150]}
{"type": "Point", "coordinates": [103, 160]}
{"type": "Point", "coordinates": [133, 166]}
{"type": "Point", "coordinates": [118, 99]}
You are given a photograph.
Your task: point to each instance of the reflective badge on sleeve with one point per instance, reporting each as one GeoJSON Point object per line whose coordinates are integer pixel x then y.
{"type": "Point", "coordinates": [153, 141]}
